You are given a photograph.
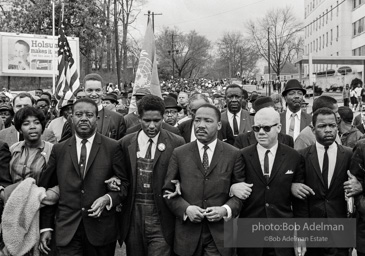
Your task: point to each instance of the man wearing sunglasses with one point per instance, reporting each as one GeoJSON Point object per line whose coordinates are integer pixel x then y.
{"type": "Point", "coordinates": [270, 169]}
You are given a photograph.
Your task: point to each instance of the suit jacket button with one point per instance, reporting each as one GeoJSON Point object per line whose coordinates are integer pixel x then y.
{"type": "Point", "coordinates": [267, 205]}
{"type": "Point", "coordinates": [267, 187]}
{"type": "Point", "coordinates": [82, 191]}
{"type": "Point", "coordinates": [83, 209]}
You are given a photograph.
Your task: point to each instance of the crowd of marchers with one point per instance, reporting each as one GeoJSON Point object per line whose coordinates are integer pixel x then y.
{"type": "Point", "coordinates": [84, 175]}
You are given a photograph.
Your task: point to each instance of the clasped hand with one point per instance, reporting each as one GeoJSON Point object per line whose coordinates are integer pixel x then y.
{"type": "Point", "coordinates": [213, 214]}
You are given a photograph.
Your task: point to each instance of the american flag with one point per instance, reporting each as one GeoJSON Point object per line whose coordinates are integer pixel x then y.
{"type": "Point", "coordinates": [68, 78]}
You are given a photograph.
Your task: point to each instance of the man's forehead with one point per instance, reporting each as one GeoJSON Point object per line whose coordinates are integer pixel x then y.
{"type": "Point", "coordinates": [23, 100]}
{"type": "Point", "coordinates": [92, 83]}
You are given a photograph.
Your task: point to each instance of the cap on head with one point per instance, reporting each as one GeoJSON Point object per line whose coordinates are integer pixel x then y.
{"type": "Point", "coordinates": [293, 84]}
{"type": "Point", "coordinates": [112, 97]}
{"type": "Point", "coordinates": [170, 102]}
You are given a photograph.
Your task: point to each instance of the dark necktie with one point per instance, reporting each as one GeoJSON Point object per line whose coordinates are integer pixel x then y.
{"type": "Point", "coordinates": [325, 167]}
{"type": "Point", "coordinates": [83, 154]}
{"type": "Point", "coordinates": [205, 158]}
{"type": "Point", "coordinates": [148, 152]}
{"type": "Point", "coordinates": [235, 125]}
{"type": "Point", "coordinates": [266, 165]}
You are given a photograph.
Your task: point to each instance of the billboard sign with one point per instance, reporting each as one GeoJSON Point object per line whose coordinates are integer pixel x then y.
{"type": "Point", "coordinates": [32, 55]}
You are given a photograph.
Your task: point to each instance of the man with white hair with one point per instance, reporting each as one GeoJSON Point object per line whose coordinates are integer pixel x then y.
{"type": "Point", "coordinates": [270, 169]}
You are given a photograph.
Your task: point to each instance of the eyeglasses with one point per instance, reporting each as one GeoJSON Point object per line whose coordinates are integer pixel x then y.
{"type": "Point", "coordinates": [266, 128]}
{"type": "Point", "coordinates": [170, 112]}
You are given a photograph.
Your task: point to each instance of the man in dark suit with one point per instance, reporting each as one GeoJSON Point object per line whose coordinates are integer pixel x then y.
{"type": "Point", "coordinates": [80, 166]}
{"type": "Point", "coordinates": [5, 157]}
{"type": "Point", "coordinates": [110, 123]}
{"type": "Point", "coordinates": [187, 129]}
{"type": "Point", "coordinates": [239, 119]}
{"type": "Point", "coordinates": [271, 168]}
{"type": "Point", "coordinates": [10, 135]}
{"type": "Point", "coordinates": [293, 119]}
{"type": "Point", "coordinates": [145, 212]}
{"type": "Point", "coordinates": [248, 138]}
{"type": "Point", "coordinates": [326, 167]}
{"type": "Point", "coordinates": [206, 168]}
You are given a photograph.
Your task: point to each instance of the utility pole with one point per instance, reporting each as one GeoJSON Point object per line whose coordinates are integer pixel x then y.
{"type": "Point", "coordinates": [172, 52]}
{"type": "Point", "coordinates": [268, 56]}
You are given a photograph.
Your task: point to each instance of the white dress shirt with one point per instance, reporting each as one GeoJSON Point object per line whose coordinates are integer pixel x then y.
{"type": "Point", "coordinates": [143, 143]}
{"type": "Point", "coordinates": [296, 124]}
{"type": "Point", "coordinates": [230, 117]}
{"type": "Point", "coordinates": [192, 136]}
{"type": "Point", "coordinates": [262, 151]}
{"type": "Point", "coordinates": [332, 157]}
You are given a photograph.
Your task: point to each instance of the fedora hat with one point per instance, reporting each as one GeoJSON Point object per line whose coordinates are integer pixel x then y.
{"type": "Point", "coordinates": [112, 97]}
{"type": "Point", "coordinates": [262, 102]}
{"type": "Point", "coordinates": [170, 102]}
{"type": "Point", "coordinates": [293, 84]}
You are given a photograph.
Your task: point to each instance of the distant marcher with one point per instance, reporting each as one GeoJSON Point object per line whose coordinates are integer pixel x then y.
{"type": "Point", "coordinates": [346, 96]}
{"type": "Point", "coordinates": [349, 134]}
{"type": "Point", "coordinates": [171, 111]}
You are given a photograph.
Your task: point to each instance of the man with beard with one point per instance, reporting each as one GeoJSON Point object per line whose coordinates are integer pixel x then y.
{"type": "Point", "coordinates": [171, 111]}
{"type": "Point", "coordinates": [110, 124]}
{"type": "Point", "coordinates": [147, 225]}
{"type": "Point", "coordinates": [85, 220]}
{"type": "Point", "coordinates": [187, 129]}
{"type": "Point", "coordinates": [239, 119]}
{"type": "Point", "coordinates": [294, 120]}
{"type": "Point", "coordinates": [206, 169]}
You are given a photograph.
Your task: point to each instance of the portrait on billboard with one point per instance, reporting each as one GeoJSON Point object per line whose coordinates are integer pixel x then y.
{"type": "Point", "coordinates": [19, 59]}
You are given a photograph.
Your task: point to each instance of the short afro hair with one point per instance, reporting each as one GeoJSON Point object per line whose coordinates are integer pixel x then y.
{"type": "Point", "coordinates": [26, 112]}
{"type": "Point", "coordinates": [322, 111]}
{"type": "Point", "coordinates": [151, 102]}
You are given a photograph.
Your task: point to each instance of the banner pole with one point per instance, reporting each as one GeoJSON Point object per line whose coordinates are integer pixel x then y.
{"type": "Point", "coordinates": [53, 50]}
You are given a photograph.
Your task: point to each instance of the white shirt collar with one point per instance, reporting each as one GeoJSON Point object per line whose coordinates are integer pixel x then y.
{"type": "Point", "coordinates": [144, 138]}
{"type": "Point", "coordinates": [90, 139]}
{"type": "Point", "coordinates": [100, 107]}
{"type": "Point", "coordinates": [288, 114]}
{"type": "Point", "coordinates": [321, 147]}
{"type": "Point", "coordinates": [263, 150]}
{"type": "Point", "coordinates": [231, 115]}
{"type": "Point", "coordinates": [211, 145]}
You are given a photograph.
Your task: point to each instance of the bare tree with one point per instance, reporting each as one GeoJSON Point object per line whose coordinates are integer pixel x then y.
{"type": "Point", "coordinates": [282, 28]}
{"type": "Point", "coordinates": [235, 54]}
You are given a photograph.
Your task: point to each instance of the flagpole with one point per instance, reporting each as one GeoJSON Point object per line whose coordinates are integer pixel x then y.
{"type": "Point", "coordinates": [53, 50]}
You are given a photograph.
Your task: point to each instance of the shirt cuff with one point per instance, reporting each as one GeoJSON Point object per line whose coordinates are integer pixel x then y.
{"type": "Point", "coordinates": [108, 207]}
{"type": "Point", "coordinates": [185, 216]}
{"type": "Point", "coordinates": [45, 229]}
{"type": "Point", "coordinates": [229, 213]}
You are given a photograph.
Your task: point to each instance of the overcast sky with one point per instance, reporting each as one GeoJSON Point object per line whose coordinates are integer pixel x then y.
{"type": "Point", "coordinates": [210, 17]}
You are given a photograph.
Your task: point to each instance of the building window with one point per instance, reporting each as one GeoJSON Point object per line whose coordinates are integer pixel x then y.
{"type": "Point", "coordinates": [320, 42]}
{"type": "Point", "coordinates": [337, 33]}
{"type": "Point", "coordinates": [358, 27]}
{"type": "Point", "coordinates": [337, 7]}
{"type": "Point", "coordinates": [326, 16]}
{"type": "Point", "coordinates": [322, 19]}
{"type": "Point", "coordinates": [331, 12]}
{"type": "Point", "coordinates": [323, 41]}
{"type": "Point", "coordinates": [357, 3]}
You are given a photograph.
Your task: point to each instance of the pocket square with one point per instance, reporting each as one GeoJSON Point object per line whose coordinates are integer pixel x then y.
{"type": "Point", "coordinates": [289, 172]}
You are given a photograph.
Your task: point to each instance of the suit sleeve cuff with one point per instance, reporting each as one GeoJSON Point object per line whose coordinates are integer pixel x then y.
{"type": "Point", "coordinates": [229, 213]}
{"type": "Point", "coordinates": [108, 207]}
{"type": "Point", "coordinates": [45, 229]}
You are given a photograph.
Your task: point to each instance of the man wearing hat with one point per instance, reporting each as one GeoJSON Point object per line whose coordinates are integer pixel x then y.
{"type": "Point", "coordinates": [293, 119]}
{"type": "Point", "coordinates": [57, 124]}
{"type": "Point", "coordinates": [6, 114]}
{"type": "Point", "coordinates": [10, 135]}
{"type": "Point", "coordinates": [171, 111]}
{"type": "Point", "coordinates": [132, 119]}
{"type": "Point", "coordinates": [239, 119]}
{"type": "Point", "coordinates": [248, 138]}
{"type": "Point", "coordinates": [110, 124]}
{"type": "Point", "coordinates": [110, 101]}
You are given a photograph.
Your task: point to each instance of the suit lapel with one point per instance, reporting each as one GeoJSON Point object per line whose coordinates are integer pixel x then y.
{"type": "Point", "coordinates": [73, 154]}
{"type": "Point", "coordinates": [94, 150]}
{"type": "Point", "coordinates": [132, 150]}
{"type": "Point", "coordinates": [283, 122]}
{"type": "Point", "coordinates": [13, 135]}
{"type": "Point", "coordinates": [243, 122]}
{"type": "Point", "coordinates": [278, 161]}
{"type": "Point", "coordinates": [106, 122]}
{"type": "Point", "coordinates": [161, 139]}
{"type": "Point", "coordinates": [340, 161]}
{"type": "Point", "coordinates": [189, 127]}
{"type": "Point", "coordinates": [313, 158]}
{"type": "Point", "coordinates": [196, 157]}
{"type": "Point", "coordinates": [217, 155]}
{"type": "Point", "coordinates": [100, 120]}
{"type": "Point", "coordinates": [255, 162]}
{"type": "Point", "coordinates": [303, 121]}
